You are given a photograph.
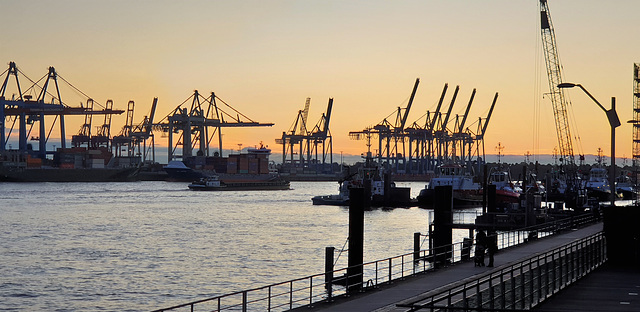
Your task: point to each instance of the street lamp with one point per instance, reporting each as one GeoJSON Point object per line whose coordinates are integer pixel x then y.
{"type": "Point", "coordinates": [614, 122]}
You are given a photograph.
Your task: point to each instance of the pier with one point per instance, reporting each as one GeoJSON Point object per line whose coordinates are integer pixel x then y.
{"type": "Point", "coordinates": [534, 266]}
{"type": "Point", "coordinates": [440, 287]}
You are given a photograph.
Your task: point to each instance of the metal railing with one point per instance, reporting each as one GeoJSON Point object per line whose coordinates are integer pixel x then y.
{"type": "Point", "coordinates": [310, 290]}
{"type": "Point", "coordinates": [519, 286]}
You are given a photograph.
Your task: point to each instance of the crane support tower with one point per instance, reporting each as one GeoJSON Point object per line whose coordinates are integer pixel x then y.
{"type": "Point", "coordinates": [294, 140]}
{"type": "Point", "coordinates": [438, 140]}
{"type": "Point", "coordinates": [26, 112]}
{"type": "Point", "coordinates": [314, 147]}
{"type": "Point", "coordinates": [554, 72]}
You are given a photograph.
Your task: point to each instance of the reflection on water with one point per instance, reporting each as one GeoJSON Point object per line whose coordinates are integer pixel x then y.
{"type": "Point", "coordinates": [146, 245]}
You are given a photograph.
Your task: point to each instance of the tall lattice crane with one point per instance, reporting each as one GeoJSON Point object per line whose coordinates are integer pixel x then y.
{"type": "Point", "coordinates": [558, 99]}
{"type": "Point", "coordinates": [636, 115]}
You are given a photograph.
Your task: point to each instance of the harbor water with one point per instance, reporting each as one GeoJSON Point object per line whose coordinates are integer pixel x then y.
{"type": "Point", "coordinates": [148, 245]}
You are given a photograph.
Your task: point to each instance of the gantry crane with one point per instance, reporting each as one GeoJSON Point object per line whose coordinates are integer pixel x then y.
{"type": "Point", "coordinates": [133, 138]}
{"type": "Point", "coordinates": [296, 137]}
{"type": "Point", "coordinates": [422, 138]}
{"type": "Point", "coordinates": [103, 137]}
{"type": "Point", "coordinates": [122, 142]}
{"type": "Point", "coordinates": [321, 136]}
{"type": "Point", "coordinates": [193, 125]}
{"type": "Point", "coordinates": [84, 135]}
{"type": "Point", "coordinates": [439, 141]}
{"type": "Point", "coordinates": [389, 136]}
{"type": "Point", "coordinates": [142, 132]}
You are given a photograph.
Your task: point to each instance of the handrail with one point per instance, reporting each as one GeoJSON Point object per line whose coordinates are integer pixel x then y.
{"type": "Point", "coordinates": [519, 286]}
{"type": "Point", "coordinates": [309, 290]}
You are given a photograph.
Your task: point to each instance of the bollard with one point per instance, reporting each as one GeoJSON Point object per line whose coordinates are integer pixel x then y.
{"type": "Point", "coordinates": [355, 270]}
{"type": "Point", "coordinates": [442, 221]}
{"type": "Point", "coordinates": [328, 271]}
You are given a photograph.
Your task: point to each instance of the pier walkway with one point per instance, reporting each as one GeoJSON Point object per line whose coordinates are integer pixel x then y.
{"type": "Point", "coordinates": [388, 296]}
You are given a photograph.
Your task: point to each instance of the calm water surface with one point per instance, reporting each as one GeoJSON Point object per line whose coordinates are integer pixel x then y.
{"type": "Point", "coordinates": [147, 245]}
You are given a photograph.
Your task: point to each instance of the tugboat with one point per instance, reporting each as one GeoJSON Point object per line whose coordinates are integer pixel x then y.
{"type": "Point", "coordinates": [384, 192]}
{"type": "Point", "coordinates": [467, 191]}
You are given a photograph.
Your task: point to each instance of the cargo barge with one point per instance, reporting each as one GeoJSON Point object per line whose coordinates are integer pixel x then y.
{"type": "Point", "coordinates": [213, 183]}
{"type": "Point", "coordinates": [252, 166]}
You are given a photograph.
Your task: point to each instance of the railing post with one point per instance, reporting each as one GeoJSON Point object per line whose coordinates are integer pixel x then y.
{"type": "Point", "coordinates": [244, 301]}
{"type": "Point", "coordinates": [416, 246]}
{"type": "Point", "coordinates": [290, 295]}
{"type": "Point", "coordinates": [311, 291]}
{"type": "Point", "coordinates": [491, 294]}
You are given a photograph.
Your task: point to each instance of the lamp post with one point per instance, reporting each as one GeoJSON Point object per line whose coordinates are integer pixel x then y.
{"type": "Point", "coordinates": [614, 122]}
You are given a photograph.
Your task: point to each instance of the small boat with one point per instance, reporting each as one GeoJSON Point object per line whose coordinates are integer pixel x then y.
{"type": "Point", "coordinates": [598, 184]}
{"type": "Point", "coordinates": [213, 183]}
{"type": "Point", "coordinates": [341, 199]}
{"type": "Point", "coordinates": [625, 187]}
{"type": "Point", "coordinates": [507, 193]}
{"type": "Point", "coordinates": [467, 191]}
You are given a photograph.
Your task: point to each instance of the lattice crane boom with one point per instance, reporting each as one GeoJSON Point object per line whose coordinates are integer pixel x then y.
{"type": "Point", "coordinates": [554, 71]}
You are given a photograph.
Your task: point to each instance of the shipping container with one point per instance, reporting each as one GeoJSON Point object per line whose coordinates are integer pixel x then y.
{"type": "Point", "coordinates": [243, 164]}
{"type": "Point", "coordinates": [232, 167]}
{"type": "Point", "coordinates": [67, 166]}
{"type": "Point", "coordinates": [253, 166]}
{"type": "Point", "coordinates": [264, 166]}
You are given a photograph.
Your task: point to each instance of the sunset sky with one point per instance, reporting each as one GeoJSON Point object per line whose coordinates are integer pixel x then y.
{"type": "Point", "coordinates": [266, 57]}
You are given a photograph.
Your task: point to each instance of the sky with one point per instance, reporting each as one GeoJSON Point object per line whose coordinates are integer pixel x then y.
{"type": "Point", "coordinates": [265, 58]}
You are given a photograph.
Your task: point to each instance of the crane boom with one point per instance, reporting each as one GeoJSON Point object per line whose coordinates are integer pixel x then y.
{"type": "Point", "coordinates": [305, 115]}
{"type": "Point", "coordinates": [466, 112]}
{"type": "Point", "coordinates": [406, 112]}
{"type": "Point", "coordinates": [554, 72]}
{"type": "Point", "coordinates": [486, 121]}
{"type": "Point", "coordinates": [437, 111]}
{"type": "Point", "coordinates": [453, 101]}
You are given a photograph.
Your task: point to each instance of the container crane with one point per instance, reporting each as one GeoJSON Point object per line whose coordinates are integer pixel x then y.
{"type": "Point", "coordinates": [387, 132]}
{"type": "Point", "coordinates": [84, 135]}
{"type": "Point", "coordinates": [321, 135]}
{"type": "Point", "coordinates": [421, 139]}
{"type": "Point", "coordinates": [104, 131]}
{"type": "Point", "coordinates": [142, 132]}
{"type": "Point", "coordinates": [193, 125]}
{"type": "Point", "coordinates": [123, 140]}
{"type": "Point", "coordinates": [296, 136]}
{"type": "Point", "coordinates": [441, 133]}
